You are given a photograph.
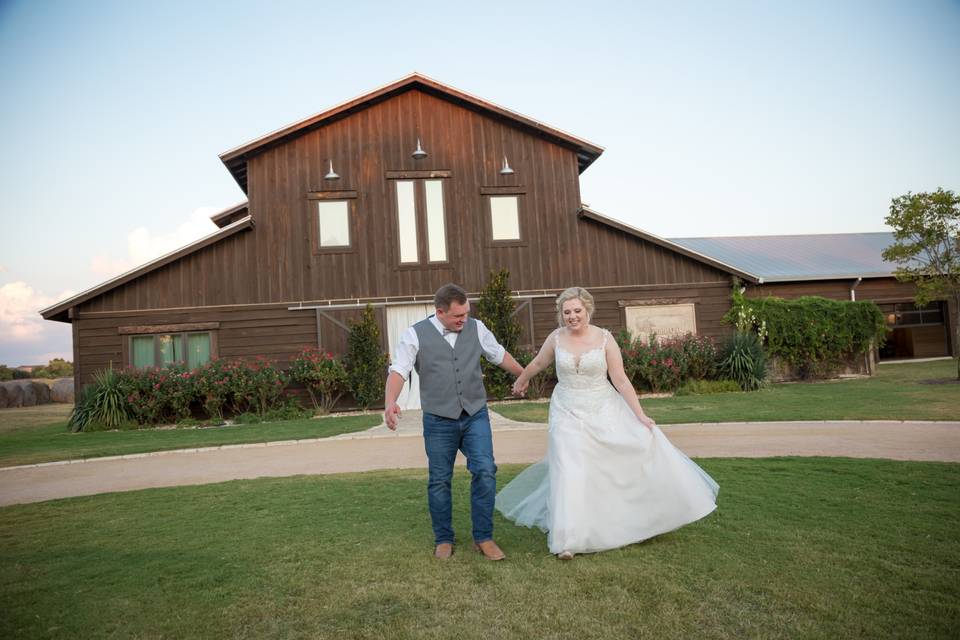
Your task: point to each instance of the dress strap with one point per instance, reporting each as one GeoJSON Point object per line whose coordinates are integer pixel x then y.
{"type": "Point", "coordinates": [606, 334]}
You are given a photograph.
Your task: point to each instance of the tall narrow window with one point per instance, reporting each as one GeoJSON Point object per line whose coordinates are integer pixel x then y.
{"type": "Point", "coordinates": [334, 223]}
{"type": "Point", "coordinates": [436, 232]}
{"type": "Point", "coordinates": [504, 218]}
{"type": "Point", "coordinates": [407, 219]}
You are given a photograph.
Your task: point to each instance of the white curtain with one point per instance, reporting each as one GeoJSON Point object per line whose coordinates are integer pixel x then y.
{"type": "Point", "coordinates": [398, 319]}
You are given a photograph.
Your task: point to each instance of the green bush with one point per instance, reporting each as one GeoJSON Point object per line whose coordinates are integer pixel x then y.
{"type": "Point", "coordinates": [745, 361]}
{"type": "Point", "coordinates": [495, 309]}
{"type": "Point", "coordinates": [365, 362]}
{"type": "Point", "coordinates": [323, 376]}
{"type": "Point", "coordinates": [268, 384]}
{"type": "Point", "coordinates": [814, 335]}
{"type": "Point", "coordinates": [704, 387]}
{"type": "Point", "coordinates": [6, 373]}
{"type": "Point", "coordinates": [102, 403]}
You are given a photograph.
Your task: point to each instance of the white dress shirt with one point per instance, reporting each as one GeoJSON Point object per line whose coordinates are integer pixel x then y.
{"type": "Point", "coordinates": [405, 353]}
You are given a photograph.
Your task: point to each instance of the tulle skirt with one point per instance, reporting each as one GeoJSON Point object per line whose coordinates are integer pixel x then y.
{"type": "Point", "coordinates": [607, 480]}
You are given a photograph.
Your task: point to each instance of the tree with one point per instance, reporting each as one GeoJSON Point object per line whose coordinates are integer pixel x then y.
{"type": "Point", "coordinates": [366, 363]}
{"type": "Point", "coordinates": [495, 309]}
{"type": "Point", "coordinates": [926, 231]}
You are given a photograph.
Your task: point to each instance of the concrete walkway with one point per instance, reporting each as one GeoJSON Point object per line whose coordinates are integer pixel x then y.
{"type": "Point", "coordinates": [514, 442]}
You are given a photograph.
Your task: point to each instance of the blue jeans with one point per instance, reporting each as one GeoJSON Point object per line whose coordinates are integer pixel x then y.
{"type": "Point", "coordinates": [442, 438]}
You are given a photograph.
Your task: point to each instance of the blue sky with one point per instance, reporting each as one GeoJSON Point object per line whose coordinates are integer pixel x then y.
{"type": "Point", "coordinates": [737, 118]}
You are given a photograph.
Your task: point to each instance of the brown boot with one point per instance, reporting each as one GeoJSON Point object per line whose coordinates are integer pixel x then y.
{"type": "Point", "coordinates": [443, 551]}
{"type": "Point", "coordinates": [490, 550]}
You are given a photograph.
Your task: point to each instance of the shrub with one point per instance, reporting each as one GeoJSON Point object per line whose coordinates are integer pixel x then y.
{"type": "Point", "coordinates": [704, 387]}
{"type": "Point", "coordinates": [324, 377]}
{"type": "Point", "coordinates": [6, 373]}
{"type": "Point", "coordinates": [268, 384]}
{"type": "Point", "coordinates": [495, 309]}
{"type": "Point", "coordinates": [213, 387]}
{"type": "Point", "coordinates": [102, 404]}
{"type": "Point", "coordinates": [365, 362]}
{"type": "Point", "coordinates": [540, 382]}
{"type": "Point", "coordinates": [701, 356]}
{"type": "Point", "coordinates": [812, 334]}
{"type": "Point", "coordinates": [745, 361]}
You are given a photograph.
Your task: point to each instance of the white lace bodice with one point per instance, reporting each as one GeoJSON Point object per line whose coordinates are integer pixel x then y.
{"type": "Point", "coordinates": [587, 370]}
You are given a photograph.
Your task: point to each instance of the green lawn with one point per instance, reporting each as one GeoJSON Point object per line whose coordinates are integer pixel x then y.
{"type": "Point", "coordinates": [39, 434]}
{"type": "Point", "coordinates": [895, 393]}
{"type": "Point", "coordinates": [24, 439]}
{"type": "Point", "coordinates": [799, 548]}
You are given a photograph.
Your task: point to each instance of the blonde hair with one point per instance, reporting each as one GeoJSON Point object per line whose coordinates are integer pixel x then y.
{"type": "Point", "coordinates": [574, 293]}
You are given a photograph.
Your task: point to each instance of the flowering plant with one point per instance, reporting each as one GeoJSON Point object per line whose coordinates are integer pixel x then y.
{"type": "Point", "coordinates": [324, 377]}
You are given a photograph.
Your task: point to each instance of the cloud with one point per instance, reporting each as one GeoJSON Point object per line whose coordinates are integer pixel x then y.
{"type": "Point", "coordinates": [25, 337]}
{"type": "Point", "coordinates": [3, 269]}
{"type": "Point", "coordinates": [144, 245]}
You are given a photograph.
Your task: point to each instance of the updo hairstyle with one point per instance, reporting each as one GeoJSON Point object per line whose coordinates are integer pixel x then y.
{"type": "Point", "coordinates": [571, 294]}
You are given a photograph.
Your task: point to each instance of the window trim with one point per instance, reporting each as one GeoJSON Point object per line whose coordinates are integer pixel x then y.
{"type": "Point", "coordinates": [488, 194]}
{"type": "Point", "coordinates": [419, 179]}
{"type": "Point", "coordinates": [349, 197]}
{"type": "Point", "coordinates": [128, 336]}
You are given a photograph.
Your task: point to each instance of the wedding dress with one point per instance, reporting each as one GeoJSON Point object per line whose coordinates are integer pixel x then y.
{"type": "Point", "coordinates": [607, 480]}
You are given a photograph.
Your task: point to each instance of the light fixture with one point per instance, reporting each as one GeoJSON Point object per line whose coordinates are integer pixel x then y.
{"type": "Point", "coordinates": [331, 175]}
{"type": "Point", "coordinates": [419, 154]}
{"type": "Point", "coordinates": [506, 170]}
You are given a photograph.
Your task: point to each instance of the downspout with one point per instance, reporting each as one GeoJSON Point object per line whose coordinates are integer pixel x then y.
{"type": "Point", "coordinates": [853, 293]}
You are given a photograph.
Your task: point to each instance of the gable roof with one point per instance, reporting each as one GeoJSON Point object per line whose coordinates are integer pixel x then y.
{"type": "Point", "coordinates": [236, 159]}
{"type": "Point", "coordinates": [586, 212]}
{"type": "Point", "coordinates": [59, 310]}
{"type": "Point", "coordinates": [828, 256]}
{"type": "Point", "coordinates": [231, 214]}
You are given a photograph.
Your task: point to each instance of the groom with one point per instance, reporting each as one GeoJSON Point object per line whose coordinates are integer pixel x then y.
{"type": "Point", "coordinates": [445, 350]}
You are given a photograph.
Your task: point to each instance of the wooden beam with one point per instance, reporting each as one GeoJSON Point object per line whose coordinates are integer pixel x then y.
{"type": "Point", "coordinates": [331, 195]}
{"type": "Point", "coordinates": [168, 328]}
{"type": "Point", "coordinates": [416, 175]}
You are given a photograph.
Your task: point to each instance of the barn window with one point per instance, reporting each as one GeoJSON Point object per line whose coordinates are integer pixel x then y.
{"type": "Point", "coordinates": [420, 206]}
{"type": "Point", "coordinates": [166, 349]}
{"type": "Point", "coordinates": [333, 217]}
{"type": "Point", "coordinates": [505, 218]}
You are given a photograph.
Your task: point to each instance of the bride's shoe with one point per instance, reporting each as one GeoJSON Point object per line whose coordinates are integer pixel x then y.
{"type": "Point", "coordinates": [565, 555]}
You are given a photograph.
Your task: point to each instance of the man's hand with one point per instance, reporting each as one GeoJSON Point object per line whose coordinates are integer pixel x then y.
{"type": "Point", "coordinates": [392, 415]}
{"type": "Point", "coordinates": [520, 388]}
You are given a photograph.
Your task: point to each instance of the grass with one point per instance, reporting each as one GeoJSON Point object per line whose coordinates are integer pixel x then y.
{"type": "Point", "coordinates": [29, 437]}
{"type": "Point", "coordinates": [894, 393]}
{"type": "Point", "coordinates": [799, 548]}
{"type": "Point", "coordinates": [39, 434]}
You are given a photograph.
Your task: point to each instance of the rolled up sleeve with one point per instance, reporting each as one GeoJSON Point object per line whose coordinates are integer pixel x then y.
{"type": "Point", "coordinates": [405, 353]}
{"type": "Point", "coordinates": [493, 351]}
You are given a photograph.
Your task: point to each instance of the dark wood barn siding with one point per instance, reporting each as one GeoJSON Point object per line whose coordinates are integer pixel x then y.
{"type": "Point", "coordinates": [244, 333]}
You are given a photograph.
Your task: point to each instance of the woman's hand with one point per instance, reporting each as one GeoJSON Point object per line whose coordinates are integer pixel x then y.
{"type": "Point", "coordinates": [520, 386]}
{"type": "Point", "coordinates": [648, 422]}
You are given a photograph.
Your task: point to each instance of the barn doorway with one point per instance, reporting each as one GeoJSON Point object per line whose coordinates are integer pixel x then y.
{"type": "Point", "coordinates": [399, 317]}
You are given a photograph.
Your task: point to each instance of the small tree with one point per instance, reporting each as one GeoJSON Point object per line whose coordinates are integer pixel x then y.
{"type": "Point", "coordinates": [495, 309]}
{"type": "Point", "coordinates": [366, 363]}
{"type": "Point", "coordinates": [926, 232]}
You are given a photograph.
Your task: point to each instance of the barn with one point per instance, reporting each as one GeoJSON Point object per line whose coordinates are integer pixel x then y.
{"type": "Point", "coordinates": [380, 200]}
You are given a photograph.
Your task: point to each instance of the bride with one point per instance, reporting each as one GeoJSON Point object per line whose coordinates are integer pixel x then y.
{"type": "Point", "coordinates": [610, 477]}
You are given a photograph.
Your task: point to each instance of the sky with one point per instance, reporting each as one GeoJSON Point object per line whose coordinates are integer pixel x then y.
{"type": "Point", "coordinates": [732, 118]}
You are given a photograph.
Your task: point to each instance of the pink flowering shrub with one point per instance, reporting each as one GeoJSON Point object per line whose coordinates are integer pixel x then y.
{"type": "Point", "coordinates": [172, 394]}
{"type": "Point", "coordinates": [323, 376]}
{"type": "Point", "coordinates": [665, 365]}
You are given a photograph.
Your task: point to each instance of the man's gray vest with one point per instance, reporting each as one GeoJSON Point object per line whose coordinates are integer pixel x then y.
{"type": "Point", "coordinates": [451, 381]}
